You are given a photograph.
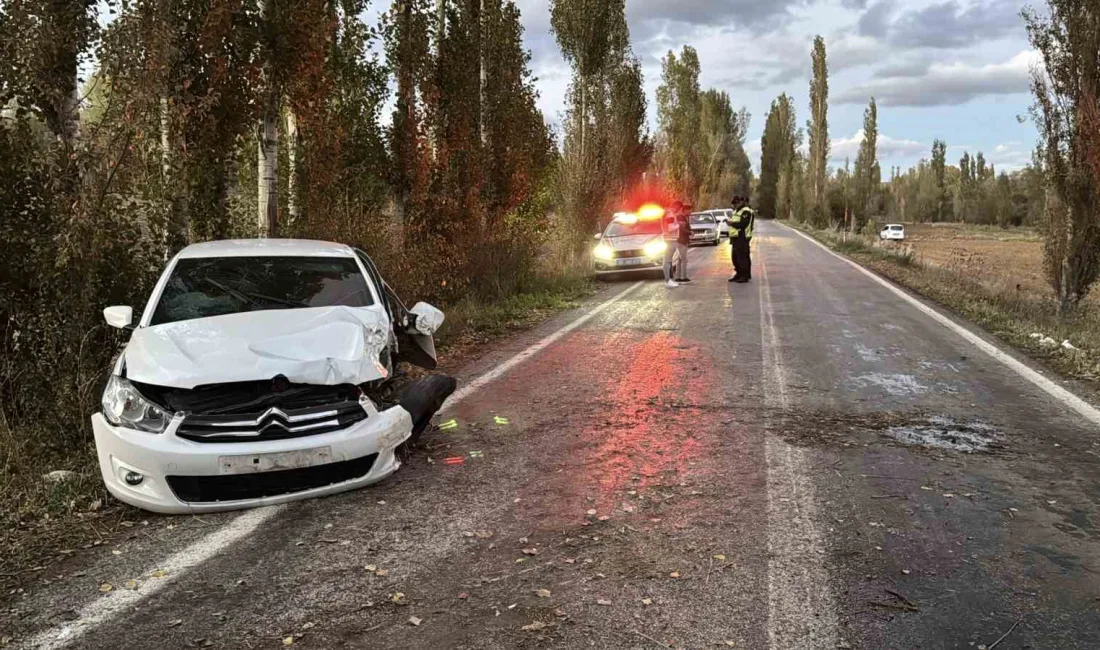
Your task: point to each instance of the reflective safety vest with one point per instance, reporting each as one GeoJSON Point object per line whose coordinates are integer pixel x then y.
{"type": "Point", "coordinates": [744, 219]}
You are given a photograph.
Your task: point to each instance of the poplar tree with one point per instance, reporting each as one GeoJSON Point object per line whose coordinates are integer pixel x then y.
{"type": "Point", "coordinates": [1067, 112]}
{"type": "Point", "coordinates": [868, 175]}
{"type": "Point", "coordinates": [777, 148]}
{"type": "Point", "coordinates": [818, 129]}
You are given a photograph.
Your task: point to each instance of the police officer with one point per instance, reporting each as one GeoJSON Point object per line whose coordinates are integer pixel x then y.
{"type": "Point", "coordinates": [742, 223]}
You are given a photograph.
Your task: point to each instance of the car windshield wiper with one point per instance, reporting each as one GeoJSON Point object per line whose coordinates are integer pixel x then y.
{"type": "Point", "coordinates": [251, 298]}
{"type": "Point", "coordinates": [239, 295]}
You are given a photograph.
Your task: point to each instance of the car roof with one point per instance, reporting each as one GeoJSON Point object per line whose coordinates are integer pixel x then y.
{"type": "Point", "coordinates": [266, 248]}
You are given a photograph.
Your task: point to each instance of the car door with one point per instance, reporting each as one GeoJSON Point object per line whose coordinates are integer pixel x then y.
{"type": "Point", "coordinates": [411, 345]}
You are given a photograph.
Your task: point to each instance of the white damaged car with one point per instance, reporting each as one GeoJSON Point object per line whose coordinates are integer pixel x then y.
{"type": "Point", "coordinates": [262, 371]}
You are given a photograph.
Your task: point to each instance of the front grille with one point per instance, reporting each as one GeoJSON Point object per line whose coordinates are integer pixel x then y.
{"type": "Point", "coordinates": [236, 487]}
{"type": "Point", "coordinates": [630, 253]}
{"type": "Point", "coordinates": [272, 424]}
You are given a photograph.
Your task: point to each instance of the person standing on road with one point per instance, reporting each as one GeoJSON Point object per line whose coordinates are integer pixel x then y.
{"type": "Point", "coordinates": [677, 235]}
{"type": "Point", "coordinates": [741, 224]}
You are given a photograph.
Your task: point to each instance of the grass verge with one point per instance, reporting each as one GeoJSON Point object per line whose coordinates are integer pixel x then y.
{"type": "Point", "coordinates": [42, 521]}
{"type": "Point", "coordinates": [995, 304]}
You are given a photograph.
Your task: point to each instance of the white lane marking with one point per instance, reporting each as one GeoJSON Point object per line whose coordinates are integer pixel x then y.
{"type": "Point", "coordinates": [496, 373]}
{"type": "Point", "coordinates": [1086, 410]}
{"type": "Point", "coordinates": [106, 607]}
{"type": "Point", "coordinates": [801, 609]}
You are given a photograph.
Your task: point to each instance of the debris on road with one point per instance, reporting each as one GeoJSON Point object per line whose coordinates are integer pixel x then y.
{"type": "Point", "coordinates": [415, 621]}
{"type": "Point", "coordinates": [58, 476]}
{"type": "Point", "coordinates": [534, 627]}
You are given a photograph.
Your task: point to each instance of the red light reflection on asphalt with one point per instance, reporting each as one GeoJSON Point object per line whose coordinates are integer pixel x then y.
{"type": "Point", "coordinates": [651, 431]}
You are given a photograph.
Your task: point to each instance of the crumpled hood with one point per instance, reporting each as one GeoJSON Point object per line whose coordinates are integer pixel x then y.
{"type": "Point", "coordinates": [322, 345]}
{"type": "Point", "coordinates": [629, 242]}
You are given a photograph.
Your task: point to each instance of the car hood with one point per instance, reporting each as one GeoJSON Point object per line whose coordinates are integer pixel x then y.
{"type": "Point", "coordinates": [322, 345]}
{"type": "Point", "coordinates": [629, 242]}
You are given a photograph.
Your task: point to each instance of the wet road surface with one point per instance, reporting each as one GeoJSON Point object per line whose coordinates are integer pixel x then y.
{"type": "Point", "coordinates": [806, 461]}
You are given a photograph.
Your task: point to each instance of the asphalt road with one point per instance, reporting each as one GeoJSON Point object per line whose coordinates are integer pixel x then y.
{"type": "Point", "coordinates": [806, 461]}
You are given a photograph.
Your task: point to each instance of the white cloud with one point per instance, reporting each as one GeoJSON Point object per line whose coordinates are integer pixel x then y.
{"type": "Point", "coordinates": [948, 84]}
{"type": "Point", "coordinates": [888, 148]}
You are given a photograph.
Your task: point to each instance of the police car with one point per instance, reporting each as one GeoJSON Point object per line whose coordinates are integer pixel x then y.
{"type": "Point", "coordinates": [631, 242]}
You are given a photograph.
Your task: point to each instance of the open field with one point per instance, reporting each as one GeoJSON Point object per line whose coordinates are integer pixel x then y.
{"type": "Point", "coordinates": [1002, 258]}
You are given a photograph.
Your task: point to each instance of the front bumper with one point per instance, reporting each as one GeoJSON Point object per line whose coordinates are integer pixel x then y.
{"type": "Point", "coordinates": [627, 264]}
{"type": "Point", "coordinates": [160, 456]}
{"type": "Point", "coordinates": [708, 237]}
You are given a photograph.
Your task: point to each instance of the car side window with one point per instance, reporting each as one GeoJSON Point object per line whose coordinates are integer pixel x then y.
{"type": "Point", "coordinates": [375, 277]}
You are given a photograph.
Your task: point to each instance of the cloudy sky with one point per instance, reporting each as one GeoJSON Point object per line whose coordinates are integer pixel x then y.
{"type": "Point", "coordinates": [954, 69]}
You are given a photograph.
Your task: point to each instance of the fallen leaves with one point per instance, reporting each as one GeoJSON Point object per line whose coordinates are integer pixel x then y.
{"type": "Point", "coordinates": [288, 641]}
{"type": "Point", "coordinates": [530, 551]}
{"type": "Point", "coordinates": [674, 574]}
{"type": "Point", "coordinates": [542, 593]}
{"type": "Point", "coordinates": [647, 601]}
{"type": "Point", "coordinates": [175, 623]}
{"type": "Point", "coordinates": [106, 587]}
{"type": "Point", "coordinates": [605, 603]}
{"type": "Point", "coordinates": [159, 573]}
{"type": "Point", "coordinates": [398, 599]}
{"type": "Point", "coordinates": [534, 627]}
{"type": "Point", "coordinates": [720, 557]}
{"type": "Point", "coordinates": [415, 621]}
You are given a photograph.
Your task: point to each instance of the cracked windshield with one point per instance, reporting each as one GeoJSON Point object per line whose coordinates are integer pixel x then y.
{"type": "Point", "coordinates": [760, 324]}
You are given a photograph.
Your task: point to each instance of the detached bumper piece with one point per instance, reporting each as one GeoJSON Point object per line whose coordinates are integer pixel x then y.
{"type": "Point", "coordinates": [237, 487]}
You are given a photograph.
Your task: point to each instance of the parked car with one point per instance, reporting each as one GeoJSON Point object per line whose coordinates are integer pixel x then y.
{"type": "Point", "coordinates": [893, 232]}
{"type": "Point", "coordinates": [722, 218]}
{"type": "Point", "coordinates": [629, 243]}
{"type": "Point", "coordinates": [704, 229]}
{"type": "Point", "coordinates": [262, 371]}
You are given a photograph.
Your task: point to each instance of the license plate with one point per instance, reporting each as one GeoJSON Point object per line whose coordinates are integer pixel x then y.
{"type": "Point", "coordinates": [274, 462]}
{"type": "Point", "coordinates": [628, 262]}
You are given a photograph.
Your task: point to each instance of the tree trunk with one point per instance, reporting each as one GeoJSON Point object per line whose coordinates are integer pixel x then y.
{"type": "Point", "coordinates": [268, 169]}
{"type": "Point", "coordinates": [440, 33]}
{"type": "Point", "coordinates": [267, 150]}
{"type": "Point", "coordinates": [177, 230]}
{"type": "Point", "coordinates": [483, 71]}
{"type": "Point", "coordinates": [583, 116]}
{"type": "Point", "coordinates": [294, 206]}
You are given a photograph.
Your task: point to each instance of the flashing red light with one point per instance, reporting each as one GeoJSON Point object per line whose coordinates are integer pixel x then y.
{"type": "Point", "coordinates": [651, 211]}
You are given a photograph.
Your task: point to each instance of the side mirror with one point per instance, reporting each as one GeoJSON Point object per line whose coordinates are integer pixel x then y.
{"type": "Point", "coordinates": [119, 316]}
{"type": "Point", "coordinates": [428, 318]}
{"type": "Point", "coordinates": [599, 235]}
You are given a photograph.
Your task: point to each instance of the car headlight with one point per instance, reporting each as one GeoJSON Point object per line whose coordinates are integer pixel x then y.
{"type": "Point", "coordinates": [655, 248]}
{"type": "Point", "coordinates": [124, 406]}
{"type": "Point", "coordinates": [604, 252]}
